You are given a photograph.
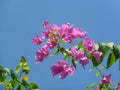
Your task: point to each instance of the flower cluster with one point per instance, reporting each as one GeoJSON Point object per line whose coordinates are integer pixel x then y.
{"type": "Point", "coordinates": [86, 51]}
{"type": "Point", "coordinates": [63, 69]}
{"type": "Point", "coordinates": [66, 33]}
{"type": "Point", "coordinates": [80, 56]}
{"type": "Point", "coordinates": [106, 79]}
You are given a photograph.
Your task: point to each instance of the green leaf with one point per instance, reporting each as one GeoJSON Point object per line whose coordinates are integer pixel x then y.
{"type": "Point", "coordinates": [13, 75]}
{"type": "Point", "coordinates": [91, 86]}
{"type": "Point", "coordinates": [79, 45]}
{"type": "Point", "coordinates": [25, 84]}
{"type": "Point", "coordinates": [96, 62]}
{"type": "Point", "coordinates": [97, 73]}
{"type": "Point", "coordinates": [26, 69]}
{"type": "Point", "coordinates": [33, 86]}
{"type": "Point", "coordinates": [56, 50]}
{"type": "Point", "coordinates": [66, 57]}
{"type": "Point", "coordinates": [18, 68]}
{"type": "Point", "coordinates": [96, 46]}
{"type": "Point", "coordinates": [92, 69]}
{"type": "Point", "coordinates": [101, 67]}
{"type": "Point", "coordinates": [89, 55]}
{"type": "Point", "coordinates": [74, 62]}
{"type": "Point", "coordinates": [104, 49]}
{"type": "Point", "coordinates": [56, 53]}
{"type": "Point", "coordinates": [2, 78]}
{"type": "Point", "coordinates": [14, 83]}
{"type": "Point", "coordinates": [111, 60]}
{"type": "Point", "coordinates": [22, 61]}
{"type": "Point", "coordinates": [116, 50]}
{"type": "Point", "coordinates": [110, 45]}
{"type": "Point", "coordinates": [20, 87]}
{"type": "Point", "coordinates": [105, 89]}
{"type": "Point", "coordinates": [3, 74]}
{"type": "Point", "coordinates": [61, 41]}
{"type": "Point", "coordinates": [1, 68]}
{"type": "Point", "coordinates": [8, 86]}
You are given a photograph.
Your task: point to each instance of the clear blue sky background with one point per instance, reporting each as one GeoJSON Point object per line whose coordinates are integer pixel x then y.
{"type": "Point", "coordinates": [20, 20]}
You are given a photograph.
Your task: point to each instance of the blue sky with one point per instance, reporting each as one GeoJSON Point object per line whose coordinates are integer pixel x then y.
{"type": "Point", "coordinates": [20, 20]}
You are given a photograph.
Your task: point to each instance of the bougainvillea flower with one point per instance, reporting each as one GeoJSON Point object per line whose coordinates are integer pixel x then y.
{"type": "Point", "coordinates": [73, 51]}
{"type": "Point", "coordinates": [71, 70]}
{"type": "Point", "coordinates": [59, 67]}
{"type": "Point", "coordinates": [97, 55]}
{"type": "Point", "coordinates": [45, 34]}
{"type": "Point", "coordinates": [41, 54]}
{"type": "Point", "coordinates": [36, 40]}
{"type": "Point", "coordinates": [84, 61]}
{"type": "Point", "coordinates": [89, 45]}
{"type": "Point", "coordinates": [54, 29]}
{"type": "Point", "coordinates": [51, 45]}
{"type": "Point", "coordinates": [63, 69]}
{"type": "Point", "coordinates": [118, 86]}
{"type": "Point", "coordinates": [68, 71]}
{"type": "Point", "coordinates": [106, 79]}
{"type": "Point", "coordinates": [66, 33]}
{"type": "Point", "coordinates": [46, 24]}
{"type": "Point", "coordinates": [80, 54]}
{"type": "Point", "coordinates": [78, 33]}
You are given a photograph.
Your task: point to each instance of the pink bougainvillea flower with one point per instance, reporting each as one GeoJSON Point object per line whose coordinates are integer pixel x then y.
{"type": "Point", "coordinates": [59, 67]}
{"type": "Point", "coordinates": [46, 24]}
{"type": "Point", "coordinates": [55, 28]}
{"type": "Point", "coordinates": [41, 54]}
{"type": "Point", "coordinates": [51, 45]}
{"type": "Point", "coordinates": [106, 79]}
{"type": "Point", "coordinates": [80, 56]}
{"type": "Point", "coordinates": [73, 51]}
{"type": "Point", "coordinates": [68, 71]}
{"type": "Point", "coordinates": [36, 40]}
{"type": "Point", "coordinates": [84, 61]}
{"type": "Point", "coordinates": [118, 86]}
{"type": "Point", "coordinates": [71, 70]}
{"type": "Point", "coordinates": [45, 34]}
{"type": "Point", "coordinates": [63, 69]}
{"type": "Point", "coordinates": [89, 45]}
{"type": "Point", "coordinates": [66, 26]}
{"type": "Point", "coordinates": [97, 55]}
{"type": "Point", "coordinates": [66, 33]}
{"type": "Point", "coordinates": [78, 33]}
{"type": "Point", "coordinates": [52, 42]}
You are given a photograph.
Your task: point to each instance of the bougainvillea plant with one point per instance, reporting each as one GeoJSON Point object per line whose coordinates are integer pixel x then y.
{"type": "Point", "coordinates": [17, 79]}
{"type": "Point", "coordinates": [80, 50]}
{"type": "Point", "coordinates": [73, 43]}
